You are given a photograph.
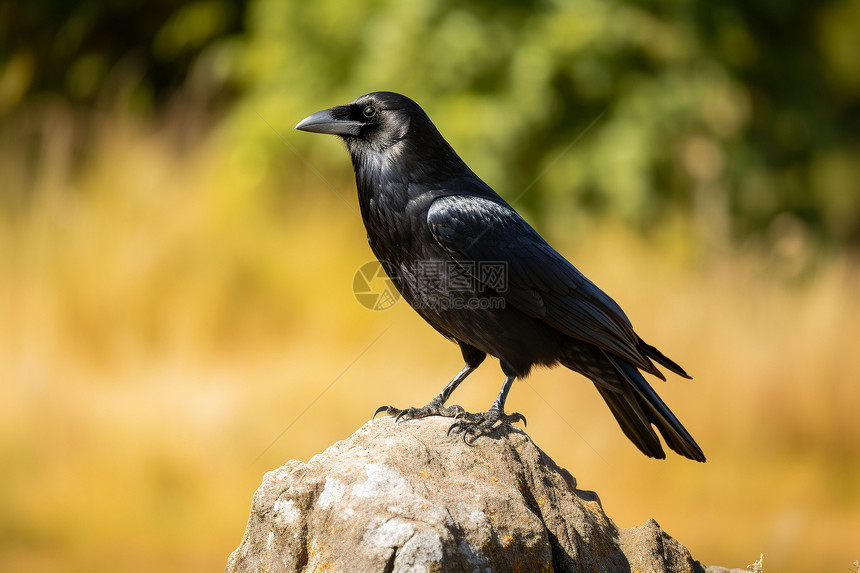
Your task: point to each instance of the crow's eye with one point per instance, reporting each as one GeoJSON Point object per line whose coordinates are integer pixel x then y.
{"type": "Point", "coordinates": [369, 111]}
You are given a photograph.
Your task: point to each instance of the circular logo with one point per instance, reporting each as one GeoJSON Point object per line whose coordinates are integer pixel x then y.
{"type": "Point", "coordinates": [372, 288]}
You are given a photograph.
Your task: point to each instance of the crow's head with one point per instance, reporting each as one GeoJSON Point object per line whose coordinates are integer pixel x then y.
{"type": "Point", "coordinates": [380, 119]}
{"type": "Point", "coordinates": [389, 137]}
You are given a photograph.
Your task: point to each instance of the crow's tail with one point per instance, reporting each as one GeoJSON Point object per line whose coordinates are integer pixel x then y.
{"type": "Point", "coordinates": [661, 359]}
{"type": "Point", "coordinates": [637, 407]}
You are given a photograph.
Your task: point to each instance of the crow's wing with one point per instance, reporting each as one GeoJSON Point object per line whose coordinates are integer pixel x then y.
{"type": "Point", "coordinates": [538, 280]}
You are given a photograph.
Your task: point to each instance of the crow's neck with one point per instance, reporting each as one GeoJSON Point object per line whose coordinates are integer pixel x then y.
{"type": "Point", "coordinates": [388, 178]}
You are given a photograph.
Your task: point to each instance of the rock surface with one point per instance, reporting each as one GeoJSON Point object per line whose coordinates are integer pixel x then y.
{"type": "Point", "coordinates": [406, 497]}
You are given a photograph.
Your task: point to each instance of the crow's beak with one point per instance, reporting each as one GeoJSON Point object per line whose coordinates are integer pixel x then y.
{"type": "Point", "coordinates": [335, 121]}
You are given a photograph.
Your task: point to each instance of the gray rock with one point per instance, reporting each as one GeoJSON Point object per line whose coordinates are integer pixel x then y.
{"type": "Point", "coordinates": [408, 498]}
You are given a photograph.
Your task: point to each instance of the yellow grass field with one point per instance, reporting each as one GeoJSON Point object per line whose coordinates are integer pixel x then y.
{"type": "Point", "coordinates": [174, 323]}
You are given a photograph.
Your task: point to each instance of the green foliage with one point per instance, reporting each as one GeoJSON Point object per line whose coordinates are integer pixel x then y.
{"type": "Point", "coordinates": [734, 114]}
{"type": "Point", "coordinates": [737, 116]}
{"type": "Point", "coordinates": [136, 53]}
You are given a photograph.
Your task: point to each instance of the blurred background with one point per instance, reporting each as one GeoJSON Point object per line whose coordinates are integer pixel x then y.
{"type": "Point", "coordinates": [176, 263]}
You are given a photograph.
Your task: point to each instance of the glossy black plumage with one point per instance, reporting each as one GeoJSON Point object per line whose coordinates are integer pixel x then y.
{"type": "Point", "coordinates": [423, 208]}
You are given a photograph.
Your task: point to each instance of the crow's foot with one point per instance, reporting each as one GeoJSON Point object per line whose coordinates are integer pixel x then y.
{"type": "Point", "coordinates": [434, 408]}
{"type": "Point", "coordinates": [473, 426]}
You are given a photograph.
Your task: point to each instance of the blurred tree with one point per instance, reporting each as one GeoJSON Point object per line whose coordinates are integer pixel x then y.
{"type": "Point", "coordinates": [81, 49]}
{"type": "Point", "coordinates": [741, 117]}
{"type": "Point", "coordinates": [736, 114]}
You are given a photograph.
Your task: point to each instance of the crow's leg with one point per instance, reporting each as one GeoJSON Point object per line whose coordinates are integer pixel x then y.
{"type": "Point", "coordinates": [436, 407]}
{"type": "Point", "coordinates": [474, 426]}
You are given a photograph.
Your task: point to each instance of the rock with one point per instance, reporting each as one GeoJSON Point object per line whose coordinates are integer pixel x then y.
{"type": "Point", "coordinates": [407, 497]}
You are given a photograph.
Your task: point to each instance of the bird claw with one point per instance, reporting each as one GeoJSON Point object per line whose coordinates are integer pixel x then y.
{"type": "Point", "coordinates": [390, 410]}
{"type": "Point", "coordinates": [409, 412]}
{"type": "Point", "coordinates": [434, 408]}
{"type": "Point", "coordinates": [473, 426]}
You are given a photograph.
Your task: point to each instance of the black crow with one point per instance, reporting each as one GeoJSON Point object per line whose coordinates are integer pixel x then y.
{"type": "Point", "coordinates": [483, 277]}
